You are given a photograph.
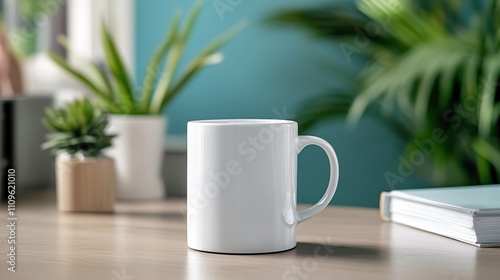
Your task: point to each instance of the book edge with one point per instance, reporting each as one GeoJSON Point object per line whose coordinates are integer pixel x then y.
{"type": "Point", "coordinates": [385, 206]}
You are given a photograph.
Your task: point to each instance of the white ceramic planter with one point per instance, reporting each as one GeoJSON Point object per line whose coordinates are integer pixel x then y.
{"type": "Point", "coordinates": [138, 153]}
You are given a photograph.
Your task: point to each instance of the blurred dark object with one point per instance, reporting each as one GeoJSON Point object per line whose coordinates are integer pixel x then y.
{"type": "Point", "coordinates": [429, 69]}
{"type": "Point", "coordinates": [21, 134]}
{"type": "Point", "coordinates": [11, 82]}
{"type": "Point", "coordinates": [174, 166]}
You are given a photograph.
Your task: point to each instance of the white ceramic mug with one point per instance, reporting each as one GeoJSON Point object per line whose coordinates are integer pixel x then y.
{"type": "Point", "coordinates": [242, 184]}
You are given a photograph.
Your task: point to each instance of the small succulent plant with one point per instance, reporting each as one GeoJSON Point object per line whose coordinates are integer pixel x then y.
{"type": "Point", "coordinates": [77, 128]}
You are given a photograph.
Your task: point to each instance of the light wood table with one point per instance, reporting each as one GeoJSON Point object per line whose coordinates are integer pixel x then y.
{"type": "Point", "coordinates": [147, 240]}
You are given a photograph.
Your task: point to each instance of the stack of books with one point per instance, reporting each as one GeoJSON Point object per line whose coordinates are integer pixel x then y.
{"type": "Point", "coordinates": [469, 214]}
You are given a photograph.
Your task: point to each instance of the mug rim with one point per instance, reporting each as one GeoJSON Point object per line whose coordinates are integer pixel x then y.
{"type": "Point", "coordinates": [229, 122]}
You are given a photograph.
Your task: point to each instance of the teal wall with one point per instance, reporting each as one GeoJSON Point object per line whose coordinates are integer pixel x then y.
{"type": "Point", "coordinates": [268, 69]}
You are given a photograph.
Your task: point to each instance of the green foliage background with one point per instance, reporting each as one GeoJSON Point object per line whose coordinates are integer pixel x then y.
{"type": "Point", "coordinates": [430, 65]}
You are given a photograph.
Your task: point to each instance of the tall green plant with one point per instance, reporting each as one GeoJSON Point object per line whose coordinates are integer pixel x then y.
{"type": "Point", "coordinates": [432, 67]}
{"type": "Point", "coordinates": [116, 91]}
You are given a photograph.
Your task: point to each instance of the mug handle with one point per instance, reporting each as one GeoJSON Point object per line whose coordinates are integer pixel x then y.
{"type": "Point", "coordinates": [302, 142]}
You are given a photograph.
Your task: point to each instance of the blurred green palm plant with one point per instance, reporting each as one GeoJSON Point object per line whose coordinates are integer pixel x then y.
{"type": "Point", "coordinates": [429, 65]}
{"type": "Point", "coordinates": [116, 91]}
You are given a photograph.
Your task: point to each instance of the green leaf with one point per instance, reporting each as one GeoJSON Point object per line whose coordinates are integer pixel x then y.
{"type": "Point", "coordinates": [424, 92]}
{"type": "Point", "coordinates": [488, 152]}
{"type": "Point", "coordinates": [487, 98]}
{"type": "Point", "coordinates": [147, 89]}
{"type": "Point", "coordinates": [323, 107]}
{"type": "Point", "coordinates": [207, 56]}
{"type": "Point", "coordinates": [104, 79]}
{"type": "Point", "coordinates": [449, 75]}
{"type": "Point", "coordinates": [100, 73]}
{"type": "Point", "coordinates": [363, 101]}
{"type": "Point", "coordinates": [81, 77]}
{"type": "Point", "coordinates": [122, 80]}
{"type": "Point", "coordinates": [174, 59]}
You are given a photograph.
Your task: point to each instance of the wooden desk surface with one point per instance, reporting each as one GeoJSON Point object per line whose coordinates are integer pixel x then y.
{"type": "Point", "coordinates": [148, 241]}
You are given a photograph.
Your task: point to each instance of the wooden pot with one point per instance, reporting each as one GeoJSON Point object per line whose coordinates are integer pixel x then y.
{"type": "Point", "coordinates": [86, 185]}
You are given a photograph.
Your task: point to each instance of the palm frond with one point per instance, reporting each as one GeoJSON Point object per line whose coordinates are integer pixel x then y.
{"type": "Point", "coordinates": [430, 65]}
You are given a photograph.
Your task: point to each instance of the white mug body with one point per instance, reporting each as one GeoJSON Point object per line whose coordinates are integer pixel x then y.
{"type": "Point", "coordinates": [242, 181]}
